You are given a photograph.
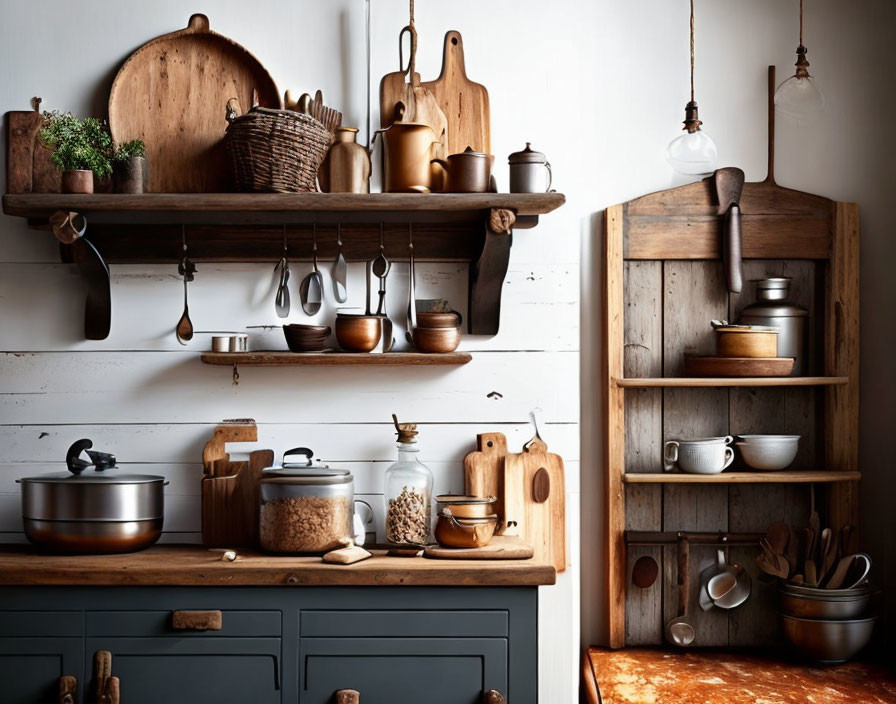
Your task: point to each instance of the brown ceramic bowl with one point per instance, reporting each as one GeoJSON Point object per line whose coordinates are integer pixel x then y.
{"type": "Point", "coordinates": [437, 340]}
{"type": "Point", "coordinates": [306, 338]}
{"type": "Point", "coordinates": [454, 532]}
{"type": "Point", "coordinates": [451, 319]}
{"type": "Point", "coordinates": [358, 333]}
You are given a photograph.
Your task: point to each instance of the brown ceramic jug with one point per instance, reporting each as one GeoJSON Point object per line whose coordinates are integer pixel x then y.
{"type": "Point", "coordinates": [408, 148]}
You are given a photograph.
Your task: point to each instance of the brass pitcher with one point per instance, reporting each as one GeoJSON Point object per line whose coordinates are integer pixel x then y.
{"type": "Point", "coordinates": [408, 149]}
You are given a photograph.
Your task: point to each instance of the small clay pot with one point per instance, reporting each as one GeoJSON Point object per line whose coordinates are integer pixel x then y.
{"type": "Point", "coordinates": [437, 340]}
{"type": "Point", "coordinates": [452, 532]}
{"type": "Point", "coordinates": [430, 319]}
{"type": "Point", "coordinates": [358, 333]}
{"type": "Point", "coordinates": [77, 181]}
{"type": "Point", "coordinates": [130, 175]}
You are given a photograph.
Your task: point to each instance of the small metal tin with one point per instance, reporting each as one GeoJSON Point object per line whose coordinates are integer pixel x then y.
{"type": "Point", "coordinates": [527, 171]}
{"type": "Point", "coordinates": [221, 343]}
{"type": "Point", "coordinates": [239, 342]}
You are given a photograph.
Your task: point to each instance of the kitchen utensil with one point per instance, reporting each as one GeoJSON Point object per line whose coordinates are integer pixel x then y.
{"type": "Point", "coordinates": [501, 547]}
{"type": "Point", "coordinates": [306, 338]}
{"type": "Point", "coordinates": [466, 172]}
{"type": "Point", "coordinates": [330, 118]}
{"type": "Point", "coordinates": [358, 333]}
{"type": "Point", "coordinates": [170, 93]}
{"type": "Point", "coordinates": [528, 169]}
{"type": "Point", "coordinates": [303, 104]}
{"type": "Point", "coordinates": [821, 606]}
{"type": "Point", "coordinates": [412, 296]}
{"type": "Point", "coordinates": [856, 577]}
{"type": "Point", "coordinates": [454, 532]}
{"type": "Point", "coordinates": [679, 630]}
{"type": "Point", "coordinates": [737, 366]}
{"type": "Point", "coordinates": [793, 550]}
{"type": "Point", "coordinates": [381, 267]}
{"type": "Point", "coordinates": [28, 165]}
{"type": "Point", "coordinates": [772, 309]}
{"type": "Point", "coordinates": [746, 341]}
{"type": "Point", "coordinates": [730, 586]}
{"type": "Point", "coordinates": [776, 566]}
{"type": "Point", "coordinates": [825, 640]}
{"type": "Point", "coordinates": [844, 540]}
{"type": "Point", "coordinates": [814, 524]}
{"type": "Point", "coordinates": [539, 523]}
{"type": "Point", "coordinates": [184, 328]}
{"type": "Point", "coordinates": [281, 300]}
{"type": "Point", "coordinates": [311, 289]}
{"type": "Point", "coordinates": [729, 184]}
{"type": "Point", "coordinates": [99, 511]}
{"type": "Point", "coordinates": [436, 340]}
{"type": "Point", "coordinates": [463, 506]}
{"type": "Point", "coordinates": [778, 536]}
{"type": "Point", "coordinates": [484, 474]}
{"type": "Point", "coordinates": [826, 554]}
{"type": "Point", "coordinates": [463, 102]}
{"type": "Point", "coordinates": [769, 452]}
{"type": "Point", "coordinates": [645, 572]}
{"type": "Point", "coordinates": [703, 456]}
{"type": "Point", "coordinates": [340, 270]}
{"type": "Point", "coordinates": [408, 149]}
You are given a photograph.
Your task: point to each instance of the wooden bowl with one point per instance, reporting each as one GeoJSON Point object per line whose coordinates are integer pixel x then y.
{"type": "Point", "coordinates": [358, 333]}
{"type": "Point", "coordinates": [306, 338]}
{"type": "Point", "coordinates": [436, 340]}
{"type": "Point", "coordinates": [737, 366]}
{"type": "Point", "coordinates": [451, 319]}
{"type": "Point", "coordinates": [744, 342]}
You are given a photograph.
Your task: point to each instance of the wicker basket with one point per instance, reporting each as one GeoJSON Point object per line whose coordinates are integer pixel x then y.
{"type": "Point", "coordinates": [275, 151]}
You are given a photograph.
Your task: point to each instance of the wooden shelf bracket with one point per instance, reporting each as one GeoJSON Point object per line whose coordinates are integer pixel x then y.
{"type": "Point", "coordinates": [487, 273]}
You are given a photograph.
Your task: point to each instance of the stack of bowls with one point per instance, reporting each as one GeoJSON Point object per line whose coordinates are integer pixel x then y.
{"type": "Point", "coordinates": [768, 452]}
{"type": "Point", "coordinates": [306, 338]}
{"type": "Point", "coordinates": [437, 332]}
{"type": "Point", "coordinates": [826, 625]}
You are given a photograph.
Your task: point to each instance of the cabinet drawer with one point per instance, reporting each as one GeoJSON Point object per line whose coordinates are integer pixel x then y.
{"type": "Point", "coordinates": [389, 623]}
{"type": "Point", "coordinates": [403, 670]}
{"type": "Point", "coordinates": [30, 668]}
{"type": "Point", "coordinates": [158, 623]}
{"type": "Point", "coordinates": [18, 624]}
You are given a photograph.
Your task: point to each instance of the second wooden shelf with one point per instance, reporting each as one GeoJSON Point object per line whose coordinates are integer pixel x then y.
{"type": "Point", "coordinates": [330, 359]}
{"type": "Point", "coordinates": [699, 381]}
{"type": "Point", "coordinates": [795, 476]}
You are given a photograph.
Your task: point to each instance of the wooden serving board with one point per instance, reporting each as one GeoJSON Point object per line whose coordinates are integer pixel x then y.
{"type": "Point", "coordinates": [484, 472]}
{"type": "Point", "coordinates": [535, 497]}
{"type": "Point", "coordinates": [737, 366]}
{"type": "Point", "coordinates": [501, 547]}
{"type": "Point", "coordinates": [172, 93]}
{"type": "Point", "coordinates": [28, 165]}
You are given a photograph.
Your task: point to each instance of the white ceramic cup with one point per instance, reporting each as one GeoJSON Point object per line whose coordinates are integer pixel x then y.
{"type": "Point", "coordinates": [703, 456]}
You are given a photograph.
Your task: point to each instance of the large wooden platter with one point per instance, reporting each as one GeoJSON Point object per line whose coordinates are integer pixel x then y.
{"type": "Point", "coordinates": [172, 93]}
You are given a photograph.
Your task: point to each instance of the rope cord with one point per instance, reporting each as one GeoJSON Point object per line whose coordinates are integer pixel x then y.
{"type": "Point", "coordinates": [801, 20]}
{"type": "Point", "coordinates": [692, 48]}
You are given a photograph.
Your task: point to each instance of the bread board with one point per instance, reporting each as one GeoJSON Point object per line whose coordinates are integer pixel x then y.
{"type": "Point", "coordinates": [484, 472]}
{"type": "Point", "coordinates": [500, 548]}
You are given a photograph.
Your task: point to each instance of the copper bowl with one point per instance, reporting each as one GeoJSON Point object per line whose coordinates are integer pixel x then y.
{"type": "Point", "coordinates": [454, 532]}
{"type": "Point", "coordinates": [358, 333]}
{"type": "Point", "coordinates": [437, 340]}
{"type": "Point", "coordinates": [431, 319]}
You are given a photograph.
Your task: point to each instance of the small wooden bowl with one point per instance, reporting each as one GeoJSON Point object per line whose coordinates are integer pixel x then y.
{"type": "Point", "coordinates": [436, 340]}
{"type": "Point", "coordinates": [451, 319]}
{"type": "Point", "coordinates": [358, 333]}
{"type": "Point", "coordinates": [743, 342]}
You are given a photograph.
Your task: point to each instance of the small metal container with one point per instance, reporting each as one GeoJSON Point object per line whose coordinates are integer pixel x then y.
{"type": "Point", "coordinates": [530, 171]}
{"type": "Point", "coordinates": [237, 342]}
{"type": "Point", "coordinates": [772, 309]}
{"type": "Point", "coordinates": [466, 506]}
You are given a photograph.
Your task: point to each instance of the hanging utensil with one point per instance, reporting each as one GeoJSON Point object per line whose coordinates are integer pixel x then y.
{"type": "Point", "coordinates": [281, 302]}
{"type": "Point", "coordinates": [412, 298]}
{"type": "Point", "coordinates": [381, 267]}
{"type": "Point", "coordinates": [679, 631]}
{"type": "Point", "coordinates": [340, 270]}
{"type": "Point", "coordinates": [312, 287]}
{"type": "Point", "coordinates": [186, 268]}
{"type": "Point", "coordinates": [729, 184]}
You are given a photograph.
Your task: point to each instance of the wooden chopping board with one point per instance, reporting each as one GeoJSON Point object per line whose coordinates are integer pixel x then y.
{"type": "Point", "coordinates": [501, 547]}
{"type": "Point", "coordinates": [172, 93]}
{"type": "Point", "coordinates": [535, 497]}
{"type": "Point", "coordinates": [28, 165]}
{"type": "Point", "coordinates": [464, 102]}
{"type": "Point", "coordinates": [484, 472]}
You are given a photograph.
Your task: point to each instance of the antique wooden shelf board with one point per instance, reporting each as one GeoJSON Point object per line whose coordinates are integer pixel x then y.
{"type": "Point", "coordinates": [325, 359]}
{"type": "Point", "coordinates": [784, 477]}
{"type": "Point", "coordinates": [685, 382]}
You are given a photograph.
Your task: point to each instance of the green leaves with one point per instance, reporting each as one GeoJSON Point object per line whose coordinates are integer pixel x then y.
{"type": "Point", "coordinates": [125, 151]}
{"type": "Point", "coordinates": [77, 143]}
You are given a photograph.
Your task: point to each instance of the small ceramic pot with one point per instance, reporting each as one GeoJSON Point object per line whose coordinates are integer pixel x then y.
{"type": "Point", "coordinates": [436, 340]}
{"type": "Point", "coordinates": [77, 181]}
{"type": "Point", "coordinates": [454, 532]}
{"type": "Point", "coordinates": [466, 172]}
{"type": "Point", "coordinates": [358, 333]}
{"type": "Point", "coordinates": [431, 319]}
{"type": "Point", "coordinates": [703, 456]}
{"type": "Point", "coordinates": [129, 175]}
{"type": "Point", "coordinates": [530, 171]}
{"type": "Point", "coordinates": [769, 452]}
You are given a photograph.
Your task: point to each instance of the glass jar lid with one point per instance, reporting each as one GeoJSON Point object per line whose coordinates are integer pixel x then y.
{"type": "Point", "coordinates": [527, 156]}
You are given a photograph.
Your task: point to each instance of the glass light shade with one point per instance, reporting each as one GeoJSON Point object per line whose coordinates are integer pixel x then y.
{"type": "Point", "coordinates": [799, 98]}
{"type": "Point", "coordinates": [693, 153]}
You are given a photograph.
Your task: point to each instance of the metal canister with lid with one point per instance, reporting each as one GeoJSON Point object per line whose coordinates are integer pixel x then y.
{"type": "Point", "coordinates": [772, 309]}
{"type": "Point", "coordinates": [530, 171]}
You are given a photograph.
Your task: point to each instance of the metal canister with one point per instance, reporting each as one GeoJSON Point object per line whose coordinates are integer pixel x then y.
{"type": "Point", "coordinates": [774, 310]}
{"type": "Point", "coordinates": [530, 171]}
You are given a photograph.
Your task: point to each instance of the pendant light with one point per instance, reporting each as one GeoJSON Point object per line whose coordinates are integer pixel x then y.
{"type": "Point", "coordinates": [694, 152]}
{"type": "Point", "coordinates": [799, 96]}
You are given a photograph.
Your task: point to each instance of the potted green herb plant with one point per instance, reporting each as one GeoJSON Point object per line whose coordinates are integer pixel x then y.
{"type": "Point", "coordinates": [129, 167]}
{"type": "Point", "coordinates": [80, 147]}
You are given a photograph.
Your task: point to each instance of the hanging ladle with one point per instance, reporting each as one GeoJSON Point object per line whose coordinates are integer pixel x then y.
{"type": "Point", "coordinates": [381, 267]}
{"type": "Point", "coordinates": [679, 630]}
{"type": "Point", "coordinates": [186, 268]}
{"type": "Point", "coordinates": [312, 287]}
{"type": "Point", "coordinates": [340, 270]}
{"type": "Point", "coordinates": [412, 296]}
{"type": "Point", "coordinates": [281, 302]}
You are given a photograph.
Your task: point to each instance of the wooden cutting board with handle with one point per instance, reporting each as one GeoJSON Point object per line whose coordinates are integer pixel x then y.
{"type": "Point", "coordinates": [484, 473]}
{"type": "Point", "coordinates": [535, 497]}
{"type": "Point", "coordinates": [464, 102]}
{"type": "Point", "coordinates": [501, 547]}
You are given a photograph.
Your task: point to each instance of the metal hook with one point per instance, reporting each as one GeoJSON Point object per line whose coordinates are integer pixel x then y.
{"type": "Point", "coordinates": [339, 234]}
{"type": "Point", "coordinates": [534, 418]}
{"type": "Point", "coordinates": [284, 241]}
{"type": "Point", "coordinates": [382, 246]}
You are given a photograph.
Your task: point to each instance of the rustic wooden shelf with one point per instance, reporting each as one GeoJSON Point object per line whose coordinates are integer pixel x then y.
{"type": "Point", "coordinates": [795, 476]}
{"type": "Point", "coordinates": [672, 382]}
{"type": "Point", "coordinates": [333, 359]}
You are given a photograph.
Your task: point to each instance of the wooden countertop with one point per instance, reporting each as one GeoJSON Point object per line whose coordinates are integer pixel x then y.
{"type": "Point", "coordinates": [193, 565]}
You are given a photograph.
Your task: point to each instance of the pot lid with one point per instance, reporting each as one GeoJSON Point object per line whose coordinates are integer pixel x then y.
{"type": "Point", "coordinates": [304, 472]}
{"type": "Point", "coordinates": [469, 151]}
{"type": "Point", "coordinates": [96, 477]}
{"type": "Point", "coordinates": [527, 156]}
{"type": "Point", "coordinates": [457, 499]}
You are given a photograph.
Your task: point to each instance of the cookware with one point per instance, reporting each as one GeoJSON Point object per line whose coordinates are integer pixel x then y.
{"type": "Point", "coordinates": [436, 340]}
{"type": "Point", "coordinates": [729, 183]}
{"type": "Point", "coordinates": [340, 270]}
{"type": "Point", "coordinates": [358, 333]}
{"type": "Point", "coordinates": [730, 586]}
{"type": "Point", "coordinates": [530, 171]}
{"type": "Point", "coordinates": [826, 593]}
{"type": "Point", "coordinates": [768, 452]}
{"type": "Point", "coordinates": [746, 341]}
{"type": "Point", "coordinates": [408, 149]}
{"type": "Point", "coordinates": [306, 338]}
{"type": "Point", "coordinates": [773, 309]}
{"type": "Point", "coordinates": [822, 605]}
{"type": "Point", "coordinates": [679, 630]}
{"type": "Point", "coordinates": [702, 456]}
{"type": "Point", "coordinates": [438, 319]}
{"type": "Point", "coordinates": [826, 640]}
{"type": "Point", "coordinates": [281, 300]}
{"type": "Point", "coordinates": [462, 506]}
{"type": "Point", "coordinates": [454, 532]}
{"type": "Point", "coordinates": [237, 342]}
{"type": "Point", "coordinates": [854, 580]}
{"type": "Point", "coordinates": [501, 547]}
{"type": "Point", "coordinates": [311, 289]}
{"type": "Point", "coordinates": [100, 511]}
{"type": "Point", "coordinates": [737, 366]}
{"type": "Point", "coordinates": [467, 172]}
{"type": "Point", "coordinates": [169, 93]}
{"type": "Point", "coordinates": [484, 474]}
{"type": "Point", "coordinates": [184, 328]}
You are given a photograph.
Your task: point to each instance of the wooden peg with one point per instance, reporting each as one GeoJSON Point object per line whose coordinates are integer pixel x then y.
{"type": "Point", "coordinates": [68, 689]}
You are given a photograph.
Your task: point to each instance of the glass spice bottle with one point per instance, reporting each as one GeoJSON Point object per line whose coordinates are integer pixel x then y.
{"type": "Point", "coordinates": [408, 492]}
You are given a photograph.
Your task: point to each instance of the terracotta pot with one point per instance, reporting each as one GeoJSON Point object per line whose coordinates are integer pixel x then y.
{"type": "Point", "coordinates": [437, 340]}
{"type": "Point", "coordinates": [77, 181]}
{"type": "Point", "coordinates": [130, 175]}
{"type": "Point", "coordinates": [430, 319]}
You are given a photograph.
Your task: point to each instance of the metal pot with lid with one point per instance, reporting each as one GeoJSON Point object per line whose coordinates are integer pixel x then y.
{"type": "Point", "coordinates": [529, 170]}
{"type": "Point", "coordinates": [99, 511]}
{"type": "Point", "coordinates": [772, 309]}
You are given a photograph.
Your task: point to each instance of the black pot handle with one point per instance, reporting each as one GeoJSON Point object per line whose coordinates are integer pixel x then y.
{"type": "Point", "coordinates": [304, 451]}
{"type": "Point", "coordinates": [72, 458]}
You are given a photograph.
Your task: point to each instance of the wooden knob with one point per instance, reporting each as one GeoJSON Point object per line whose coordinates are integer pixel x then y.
{"type": "Point", "coordinates": [493, 696]}
{"type": "Point", "coordinates": [347, 696]}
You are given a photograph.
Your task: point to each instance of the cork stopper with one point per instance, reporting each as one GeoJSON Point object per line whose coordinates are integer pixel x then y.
{"type": "Point", "coordinates": [407, 432]}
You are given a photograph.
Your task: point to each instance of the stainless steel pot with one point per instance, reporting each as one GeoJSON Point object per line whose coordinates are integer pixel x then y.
{"type": "Point", "coordinates": [822, 606]}
{"type": "Point", "coordinates": [773, 310]}
{"type": "Point", "coordinates": [530, 171]}
{"type": "Point", "coordinates": [101, 511]}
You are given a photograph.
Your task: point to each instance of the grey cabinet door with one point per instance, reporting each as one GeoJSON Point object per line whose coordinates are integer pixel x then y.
{"type": "Point", "coordinates": [30, 668]}
{"type": "Point", "coordinates": [194, 669]}
{"type": "Point", "coordinates": [402, 670]}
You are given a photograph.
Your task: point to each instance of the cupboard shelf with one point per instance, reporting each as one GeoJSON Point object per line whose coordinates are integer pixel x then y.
{"type": "Point", "coordinates": [721, 382]}
{"type": "Point", "coordinates": [331, 359]}
{"type": "Point", "coordinates": [795, 476]}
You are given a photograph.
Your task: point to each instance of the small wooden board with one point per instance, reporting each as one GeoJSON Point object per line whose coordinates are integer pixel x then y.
{"type": "Point", "coordinates": [737, 366]}
{"type": "Point", "coordinates": [484, 472]}
{"type": "Point", "coordinates": [28, 165]}
{"type": "Point", "coordinates": [500, 548]}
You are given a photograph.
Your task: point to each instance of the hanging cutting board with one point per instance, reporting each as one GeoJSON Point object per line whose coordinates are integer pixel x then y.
{"type": "Point", "coordinates": [172, 93]}
{"type": "Point", "coordinates": [535, 497]}
{"type": "Point", "coordinates": [464, 102]}
{"type": "Point", "coordinates": [501, 547]}
{"type": "Point", "coordinates": [484, 472]}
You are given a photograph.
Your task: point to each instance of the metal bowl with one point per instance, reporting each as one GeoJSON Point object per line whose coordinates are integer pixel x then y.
{"type": "Point", "coordinates": [828, 641]}
{"type": "Point", "coordinates": [801, 589]}
{"type": "Point", "coordinates": [832, 607]}
{"type": "Point", "coordinates": [85, 537]}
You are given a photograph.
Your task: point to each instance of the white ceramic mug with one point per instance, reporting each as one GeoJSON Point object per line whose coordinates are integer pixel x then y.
{"type": "Point", "coordinates": [704, 456]}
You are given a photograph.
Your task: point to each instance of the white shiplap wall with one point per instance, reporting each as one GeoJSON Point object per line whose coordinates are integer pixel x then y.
{"type": "Point", "coordinates": [148, 400]}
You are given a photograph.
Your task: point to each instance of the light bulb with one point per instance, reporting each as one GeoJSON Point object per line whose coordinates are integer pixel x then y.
{"type": "Point", "coordinates": [799, 97]}
{"type": "Point", "coordinates": [692, 153]}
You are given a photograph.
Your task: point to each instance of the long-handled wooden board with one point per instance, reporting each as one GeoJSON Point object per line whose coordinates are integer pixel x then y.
{"type": "Point", "coordinates": [484, 472]}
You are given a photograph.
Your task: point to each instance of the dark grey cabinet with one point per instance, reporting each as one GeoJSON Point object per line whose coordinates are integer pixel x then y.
{"type": "Point", "coordinates": [276, 645]}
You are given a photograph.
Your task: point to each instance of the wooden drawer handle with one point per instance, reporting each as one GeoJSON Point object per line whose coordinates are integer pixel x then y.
{"type": "Point", "coordinates": [347, 696]}
{"type": "Point", "coordinates": [68, 689]}
{"type": "Point", "coordinates": [196, 620]}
